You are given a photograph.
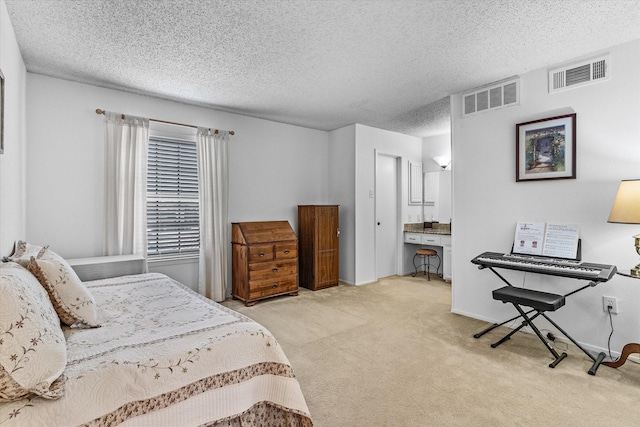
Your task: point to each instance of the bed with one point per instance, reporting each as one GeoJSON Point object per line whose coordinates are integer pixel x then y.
{"type": "Point", "coordinates": [155, 354]}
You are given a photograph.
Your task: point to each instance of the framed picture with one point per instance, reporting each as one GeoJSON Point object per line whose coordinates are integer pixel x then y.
{"type": "Point", "coordinates": [546, 149]}
{"type": "Point", "coordinates": [1, 112]}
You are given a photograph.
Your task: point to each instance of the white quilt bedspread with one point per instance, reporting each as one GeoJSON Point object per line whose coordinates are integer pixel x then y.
{"type": "Point", "coordinates": [166, 356]}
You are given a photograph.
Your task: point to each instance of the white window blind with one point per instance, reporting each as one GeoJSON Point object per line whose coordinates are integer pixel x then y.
{"type": "Point", "coordinates": [173, 226]}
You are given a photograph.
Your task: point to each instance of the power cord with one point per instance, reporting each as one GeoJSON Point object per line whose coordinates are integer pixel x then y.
{"type": "Point", "coordinates": [609, 308]}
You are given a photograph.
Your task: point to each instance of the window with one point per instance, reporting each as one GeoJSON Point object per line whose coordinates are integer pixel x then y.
{"type": "Point", "coordinates": [173, 225]}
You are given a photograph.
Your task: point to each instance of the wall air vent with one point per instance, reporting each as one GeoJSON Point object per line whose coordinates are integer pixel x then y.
{"type": "Point", "coordinates": [496, 95]}
{"type": "Point", "coordinates": [579, 74]}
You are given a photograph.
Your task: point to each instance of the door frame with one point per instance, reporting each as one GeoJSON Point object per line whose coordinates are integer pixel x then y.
{"type": "Point", "coordinates": [398, 234]}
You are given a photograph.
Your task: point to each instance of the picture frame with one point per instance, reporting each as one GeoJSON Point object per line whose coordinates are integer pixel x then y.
{"type": "Point", "coordinates": [1, 112]}
{"type": "Point", "coordinates": [546, 149]}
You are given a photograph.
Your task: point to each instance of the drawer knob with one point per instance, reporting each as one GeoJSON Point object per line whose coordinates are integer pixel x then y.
{"type": "Point", "coordinates": [275, 269]}
{"type": "Point", "coordinates": [286, 251]}
{"type": "Point", "coordinates": [275, 285]}
{"type": "Point", "coordinates": [261, 254]}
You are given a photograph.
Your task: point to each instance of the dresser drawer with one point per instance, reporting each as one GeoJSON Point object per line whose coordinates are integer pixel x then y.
{"type": "Point", "coordinates": [272, 270]}
{"type": "Point", "coordinates": [263, 288]}
{"type": "Point", "coordinates": [286, 250]}
{"type": "Point", "coordinates": [430, 239]}
{"type": "Point", "coordinates": [413, 238]}
{"type": "Point", "coordinates": [259, 253]}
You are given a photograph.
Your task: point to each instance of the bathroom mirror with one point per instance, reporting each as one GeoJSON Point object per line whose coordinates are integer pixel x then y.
{"type": "Point", "coordinates": [436, 198]}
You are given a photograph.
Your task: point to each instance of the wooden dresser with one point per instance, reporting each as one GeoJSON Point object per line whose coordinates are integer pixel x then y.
{"type": "Point", "coordinates": [264, 260]}
{"type": "Point", "coordinates": [318, 231]}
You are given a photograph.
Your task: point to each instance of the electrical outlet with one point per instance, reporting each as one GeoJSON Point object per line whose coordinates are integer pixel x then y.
{"type": "Point", "coordinates": [610, 302]}
{"type": "Point", "coordinates": [410, 218]}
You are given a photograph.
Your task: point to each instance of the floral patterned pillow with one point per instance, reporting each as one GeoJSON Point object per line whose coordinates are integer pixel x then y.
{"type": "Point", "coordinates": [70, 297]}
{"type": "Point", "coordinates": [26, 250]}
{"type": "Point", "coordinates": [33, 351]}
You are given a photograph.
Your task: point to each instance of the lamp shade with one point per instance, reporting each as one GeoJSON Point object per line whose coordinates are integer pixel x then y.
{"type": "Point", "coordinates": [443, 161]}
{"type": "Point", "coordinates": [626, 206]}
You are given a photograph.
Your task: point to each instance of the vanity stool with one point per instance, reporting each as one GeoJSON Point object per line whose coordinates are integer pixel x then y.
{"type": "Point", "coordinates": [426, 255]}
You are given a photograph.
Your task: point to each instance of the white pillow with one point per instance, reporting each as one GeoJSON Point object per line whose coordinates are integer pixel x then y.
{"type": "Point", "coordinates": [71, 299]}
{"type": "Point", "coordinates": [33, 351]}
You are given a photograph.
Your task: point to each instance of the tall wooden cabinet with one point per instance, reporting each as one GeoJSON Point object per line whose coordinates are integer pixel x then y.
{"type": "Point", "coordinates": [318, 245]}
{"type": "Point", "coordinates": [264, 260]}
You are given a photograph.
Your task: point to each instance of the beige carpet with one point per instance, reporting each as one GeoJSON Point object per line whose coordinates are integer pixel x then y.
{"type": "Point", "coordinates": [392, 354]}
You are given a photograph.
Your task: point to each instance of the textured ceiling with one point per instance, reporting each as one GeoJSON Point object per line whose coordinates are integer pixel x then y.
{"type": "Point", "coordinates": [318, 64]}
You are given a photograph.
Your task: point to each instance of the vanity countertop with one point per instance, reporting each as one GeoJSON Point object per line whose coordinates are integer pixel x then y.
{"type": "Point", "coordinates": [442, 229]}
{"type": "Point", "coordinates": [430, 231]}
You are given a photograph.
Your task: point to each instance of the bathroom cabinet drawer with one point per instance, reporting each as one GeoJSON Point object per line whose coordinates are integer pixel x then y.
{"type": "Point", "coordinates": [430, 239]}
{"type": "Point", "coordinates": [415, 238]}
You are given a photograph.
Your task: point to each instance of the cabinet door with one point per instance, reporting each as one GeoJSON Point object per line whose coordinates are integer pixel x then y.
{"type": "Point", "coordinates": [446, 263]}
{"type": "Point", "coordinates": [415, 183]}
{"type": "Point", "coordinates": [327, 224]}
{"type": "Point", "coordinates": [431, 188]}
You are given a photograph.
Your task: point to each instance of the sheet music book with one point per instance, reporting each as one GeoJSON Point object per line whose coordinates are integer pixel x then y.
{"type": "Point", "coordinates": [550, 240]}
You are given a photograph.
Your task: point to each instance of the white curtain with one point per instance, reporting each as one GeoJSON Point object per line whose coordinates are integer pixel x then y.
{"type": "Point", "coordinates": [213, 180]}
{"type": "Point", "coordinates": [127, 141]}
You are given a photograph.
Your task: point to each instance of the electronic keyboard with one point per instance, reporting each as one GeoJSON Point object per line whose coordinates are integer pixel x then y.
{"type": "Point", "coordinates": [551, 266]}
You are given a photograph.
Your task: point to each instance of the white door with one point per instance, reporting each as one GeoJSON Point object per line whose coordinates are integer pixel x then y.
{"type": "Point", "coordinates": [386, 215]}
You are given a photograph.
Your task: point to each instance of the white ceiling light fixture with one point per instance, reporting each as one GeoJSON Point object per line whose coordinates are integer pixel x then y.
{"type": "Point", "coordinates": [443, 161]}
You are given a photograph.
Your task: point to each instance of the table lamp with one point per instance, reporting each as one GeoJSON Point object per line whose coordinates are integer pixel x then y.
{"type": "Point", "coordinates": [626, 210]}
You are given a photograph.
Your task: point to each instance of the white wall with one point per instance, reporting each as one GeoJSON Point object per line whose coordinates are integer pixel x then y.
{"type": "Point", "coordinates": [12, 162]}
{"type": "Point", "coordinates": [342, 186]}
{"type": "Point", "coordinates": [408, 148]}
{"type": "Point", "coordinates": [351, 175]}
{"type": "Point", "coordinates": [488, 202]}
{"type": "Point", "coordinates": [273, 167]}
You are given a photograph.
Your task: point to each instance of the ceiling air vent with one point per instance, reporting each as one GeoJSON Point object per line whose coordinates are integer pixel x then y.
{"type": "Point", "coordinates": [579, 74]}
{"type": "Point", "coordinates": [495, 95]}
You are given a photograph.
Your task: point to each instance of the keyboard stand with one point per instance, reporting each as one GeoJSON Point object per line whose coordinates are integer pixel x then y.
{"type": "Point", "coordinates": [539, 302]}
